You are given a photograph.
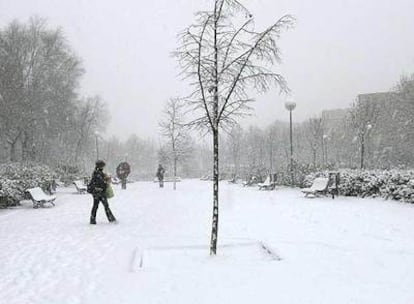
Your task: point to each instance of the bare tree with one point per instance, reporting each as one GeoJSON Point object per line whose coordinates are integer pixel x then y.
{"type": "Point", "coordinates": [91, 116]}
{"type": "Point", "coordinates": [225, 56]}
{"type": "Point", "coordinates": [364, 114]}
{"type": "Point", "coordinates": [233, 150]}
{"type": "Point", "coordinates": [404, 119]}
{"type": "Point", "coordinates": [38, 77]}
{"type": "Point", "coordinates": [270, 140]}
{"type": "Point", "coordinates": [174, 129]}
{"type": "Point", "coordinates": [315, 136]}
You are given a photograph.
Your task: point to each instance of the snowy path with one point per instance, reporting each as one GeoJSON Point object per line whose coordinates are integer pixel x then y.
{"type": "Point", "coordinates": [345, 250]}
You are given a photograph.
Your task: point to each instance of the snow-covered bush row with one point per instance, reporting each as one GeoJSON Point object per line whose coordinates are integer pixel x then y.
{"type": "Point", "coordinates": [68, 174]}
{"type": "Point", "coordinates": [28, 170]}
{"type": "Point", "coordinates": [301, 175]}
{"type": "Point", "coordinates": [397, 185]}
{"type": "Point", "coordinates": [15, 178]}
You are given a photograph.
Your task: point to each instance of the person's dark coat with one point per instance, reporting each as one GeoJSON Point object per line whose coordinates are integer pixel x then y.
{"type": "Point", "coordinates": [123, 170]}
{"type": "Point", "coordinates": [98, 184]}
{"type": "Point", "coordinates": [160, 173]}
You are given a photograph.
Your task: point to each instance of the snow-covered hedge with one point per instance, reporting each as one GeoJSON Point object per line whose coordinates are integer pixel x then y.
{"type": "Point", "coordinates": [68, 174]}
{"type": "Point", "coordinates": [15, 178]}
{"type": "Point", "coordinates": [396, 185]}
{"type": "Point", "coordinates": [301, 173]}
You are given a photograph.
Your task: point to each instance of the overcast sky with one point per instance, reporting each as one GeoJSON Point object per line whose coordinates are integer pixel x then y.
{"type": "Point", "coordinates": [339, 49]}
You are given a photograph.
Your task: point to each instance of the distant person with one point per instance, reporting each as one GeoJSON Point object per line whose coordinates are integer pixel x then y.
{"type": "Point", "coordinates": [160, 175]}
{"type": "Point", "coordinates": [122, 171]}
{"type": "Point", "coordinates": [98, 188]}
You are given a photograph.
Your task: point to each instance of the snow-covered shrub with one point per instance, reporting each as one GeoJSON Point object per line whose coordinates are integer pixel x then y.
{"type": "Point", "coordinates": [68, 174]}
{"type": "Point", "coordinates": [302, 171]}
{"type": "Point", "coordinates": [308, 179]}
{"type": "Point", "coordinates": [15, 178]}
{"type": "Point", "coordinates": [396, 185]}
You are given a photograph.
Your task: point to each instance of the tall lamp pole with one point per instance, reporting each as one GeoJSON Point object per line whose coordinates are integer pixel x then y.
{"type": "Point", "coordinates": [290, 106]}
{"type": "Point", "coordinates": [96, 144]}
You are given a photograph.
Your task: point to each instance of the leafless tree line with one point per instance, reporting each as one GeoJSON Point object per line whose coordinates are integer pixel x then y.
{"type": "Point", "coordinates": [42, 118]}
{"type": "Point", "coordinates": [173, 127]}
{"type": "Point", "coordinates": [375, 132]}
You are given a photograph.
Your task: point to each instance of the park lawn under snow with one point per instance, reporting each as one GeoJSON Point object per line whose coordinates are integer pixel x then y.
{"type": "Point", "coordinates": [275, 247]}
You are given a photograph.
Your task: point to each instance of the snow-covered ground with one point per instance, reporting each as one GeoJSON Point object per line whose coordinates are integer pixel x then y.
{"type": "Point", "coordinates": [319, 250]}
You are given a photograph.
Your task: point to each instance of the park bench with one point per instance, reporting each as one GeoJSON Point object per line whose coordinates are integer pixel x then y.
{"type": "Point", "coordinates": [319, 186]}
{"type": "Point", "coordinates": [233, 180]}
{"type": "Point", "coordinates": [324, 185]}
{"type": "Point", "coordinates": [80, 187]}
{"type": "Point", "coordinates": [171, 179]}
{"type": "Point", "coordinates": [333, 187]}
{"type": "Point", "coordinates": [269, 183]}
{"type": "Point", "coordinates": [168, 179]}
{"type": "Point", "coordinates": [39, 198]}
{"type": "Point", "coordinates": [251, 181]}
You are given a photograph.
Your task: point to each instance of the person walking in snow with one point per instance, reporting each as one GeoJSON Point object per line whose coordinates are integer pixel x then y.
{"type": "Point", "coordinates": [98, 188]}
{"type": "Point", "coordinates": [122, 171]}
{"type": "Point", "coordinates": [160, 175]}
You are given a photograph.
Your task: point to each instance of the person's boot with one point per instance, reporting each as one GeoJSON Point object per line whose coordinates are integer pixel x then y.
{"type": "Point", "coordinates": [110, 216]}
{"type": "Point", "coordinates": [92, 221]}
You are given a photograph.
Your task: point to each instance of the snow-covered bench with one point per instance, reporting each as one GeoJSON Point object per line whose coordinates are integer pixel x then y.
{"type": "Point", "coordinates": [80, 186]}
{"type": "Point", "coordinates": [250, 182]}
{"type": "Point", "coordinates": [233, 180]}
{"type": "Point", "coordinates": [320, 186]}
{"type": "Point", "coordinates": [39, 198]}
{"type": "Point", "coordinates": [269, 183]}
{"type": "Point", "coordinates": [168, 179]}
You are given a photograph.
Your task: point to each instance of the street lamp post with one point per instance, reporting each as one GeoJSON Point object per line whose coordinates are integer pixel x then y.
{"type": "Point", "coordinates": [96, 144]}
{"type": "Point", "coordinates": [290, 106]}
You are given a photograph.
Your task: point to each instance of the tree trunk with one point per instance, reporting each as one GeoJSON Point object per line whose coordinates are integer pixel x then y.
{"type": "Point", "coordinates": [323, 153]}
{"type": "Point", "coordinates": [13, 151]}
{"type": "Point", "coordinates": [362, 152]}
{"type": "Point", "coordinates": [215, 129]}
{"type": "Point", "coordinates": [175, 173]}
{"type": "Point", "coordinates": [314, 157]}
{"type": "Point", "coordinates": [13, 147]}
{"type": "Point", "coordinates": [214, 230]}
{"type": "Point", "coordinates": [271, 158]}
{"type": "Point", "coordinates": [28, 148]}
